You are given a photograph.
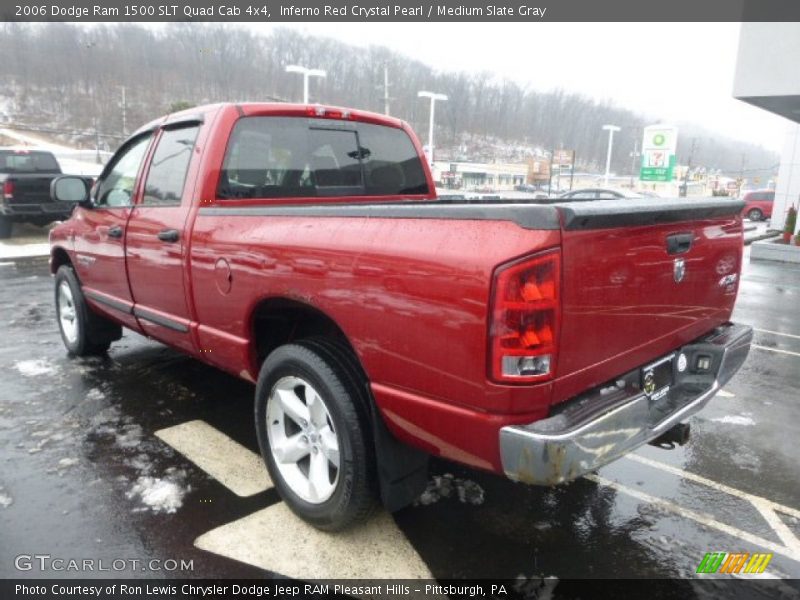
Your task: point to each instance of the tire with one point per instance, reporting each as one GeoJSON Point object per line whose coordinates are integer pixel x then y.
{"type": "Point", "coordinates": [6, 227]}
{"type": "Point", "coordinates": [314, 434]}
{"type": "Point", "coordinates": [84, 332]}
{"type": "Point", "coordinates": [755, 214]}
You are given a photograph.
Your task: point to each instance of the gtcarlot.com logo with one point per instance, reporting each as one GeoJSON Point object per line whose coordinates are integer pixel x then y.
{"type": "Point", "coordinates": [726, 562]}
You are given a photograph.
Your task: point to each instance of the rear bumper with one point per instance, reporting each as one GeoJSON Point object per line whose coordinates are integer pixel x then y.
{"type": "Point", "coordinates": [603, 424]}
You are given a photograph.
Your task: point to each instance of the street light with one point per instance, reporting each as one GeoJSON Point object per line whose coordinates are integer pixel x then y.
{"type": "Point", "coordinates": [306, 73]}
{"type": "Point", "coordinates": [434, 97]}
{"type": "Point", "coordinates": [610, 129]}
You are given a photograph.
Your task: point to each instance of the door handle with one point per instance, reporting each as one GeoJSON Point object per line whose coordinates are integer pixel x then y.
{"type": "Point", "coordinates": [168, 235]}
{"type": "Point", "coordinates": [679, 243]}
{"type": "Point", "coordinates": [115, 232]}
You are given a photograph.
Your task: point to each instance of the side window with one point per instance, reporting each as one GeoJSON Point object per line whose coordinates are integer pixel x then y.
{"type": "Point", "coordinates": [167, 174]}
{"type": "Point", "coordinates": [116, 186]}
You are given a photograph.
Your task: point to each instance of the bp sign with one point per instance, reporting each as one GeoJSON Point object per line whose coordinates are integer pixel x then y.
{"type": "Point", "coordinates": [658, 153]}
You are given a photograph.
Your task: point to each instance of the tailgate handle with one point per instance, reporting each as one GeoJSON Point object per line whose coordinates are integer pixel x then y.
{"type": "Point", "coordinates": [168, 235]}
{"type": "Point", "coordinates": [115, 232]}
{"type": "Point", "coordinates": [679, 243]}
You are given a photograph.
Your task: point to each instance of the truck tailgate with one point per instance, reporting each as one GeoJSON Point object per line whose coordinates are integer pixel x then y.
{"type": "Point", "coordinates": [31, 189]}
{"type": "Point", "coordinates": [640, 278]}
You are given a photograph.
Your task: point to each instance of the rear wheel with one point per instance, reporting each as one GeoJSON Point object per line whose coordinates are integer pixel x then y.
{"type": "Point", "coordinates": [83, 332]}
{"type": "Point", "coordinates": [6, 226]}
{"type": "Point", "coordinates": [314, 436]}
{"type": "Point", "coordinates": [755, 214]}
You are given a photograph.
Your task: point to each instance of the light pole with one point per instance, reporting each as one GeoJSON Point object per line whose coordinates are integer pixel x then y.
{"type": "Point", "coordinates": [434, 97]}
{"type": "Point", "coordinates": [610, 129]}
{"type": "Point", "coordinates": [306, 73]}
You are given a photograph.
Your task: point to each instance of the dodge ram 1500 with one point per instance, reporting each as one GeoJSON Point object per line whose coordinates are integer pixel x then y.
{"type": "Point", "coordinates": [302, 248]}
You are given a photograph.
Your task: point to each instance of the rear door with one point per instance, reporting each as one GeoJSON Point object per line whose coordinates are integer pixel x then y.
{"type": "Point", "coordinates": [155, 244]}
{"type": "Point", "coordinates": [640, 279]}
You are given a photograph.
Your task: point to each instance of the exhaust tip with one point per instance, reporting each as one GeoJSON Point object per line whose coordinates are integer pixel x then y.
{"type": "Point", "coordinates": [678, 434]}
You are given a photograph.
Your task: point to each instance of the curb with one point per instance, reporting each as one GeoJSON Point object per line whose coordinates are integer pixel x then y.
{"type": "Point", "coordinates": [763, 236]}
{"type": "Point", "coordinates": [27, 260]}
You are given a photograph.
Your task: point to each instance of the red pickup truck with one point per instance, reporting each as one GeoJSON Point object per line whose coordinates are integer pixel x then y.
{"type": "Point", "coordinates": [302, 248]}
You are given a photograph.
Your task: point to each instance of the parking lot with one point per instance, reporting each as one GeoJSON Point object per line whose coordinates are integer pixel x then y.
{"type": "Point", "coordinates": [147, 454]}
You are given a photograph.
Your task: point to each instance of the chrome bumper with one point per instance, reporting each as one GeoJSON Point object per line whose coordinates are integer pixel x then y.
{"type": "Point", "coordinates": [602, 425]}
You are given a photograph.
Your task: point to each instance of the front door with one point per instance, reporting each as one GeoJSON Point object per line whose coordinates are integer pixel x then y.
{"type": "Point", "coordinates": [155, 244]}
{"type": "Point", "coordinates": [100, 243]}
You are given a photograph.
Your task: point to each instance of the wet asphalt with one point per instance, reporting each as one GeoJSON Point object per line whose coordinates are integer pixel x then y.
{"type": "Point", "coordinates": [78, 452]}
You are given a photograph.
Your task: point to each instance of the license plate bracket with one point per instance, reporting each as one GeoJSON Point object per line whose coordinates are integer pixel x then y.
{"type": "Point", "coordinates": [657, 378]}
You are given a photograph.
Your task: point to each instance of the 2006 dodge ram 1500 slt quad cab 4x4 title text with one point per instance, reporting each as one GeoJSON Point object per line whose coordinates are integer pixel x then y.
{"type": "Point", "coordinates": [302, 248]}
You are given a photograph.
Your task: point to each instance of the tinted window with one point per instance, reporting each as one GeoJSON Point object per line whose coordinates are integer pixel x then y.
{"type": "Point", "coordinates": [24, 161]}
{"type": "Point", "coordinates": [168, 168]}
{"type": "Point", "coordinates": [763, 196]}
{"type": "Point", "coordinates": [274, 157]}
{"type": "Point", "coordinates": [119, 178]}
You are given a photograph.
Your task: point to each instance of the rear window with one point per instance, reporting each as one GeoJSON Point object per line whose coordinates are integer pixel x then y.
{"type": "Point", "coordinates": [280, 157]}
{"type": "Point", "coordinates": [24, 161]}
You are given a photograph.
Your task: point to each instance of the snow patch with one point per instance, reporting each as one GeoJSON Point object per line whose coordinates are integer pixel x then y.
{"type": "Point", "coordinates": [5, 500]}
{"type": "Point", "coordinates": [67, 462]}
{"type": "Point", "coordinates": [34, 368]}
{"type": "Point", "coordinates": [735, 420]}
{"type": "Point", "coordinates": [95, 394]}
{"type": "Point", "coordinates": [447, 486]}
{"type": "Point", "coordinates": [161, 495]}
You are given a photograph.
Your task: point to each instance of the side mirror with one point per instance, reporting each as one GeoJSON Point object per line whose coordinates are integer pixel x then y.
{"type": "Point", "coordinates": [70, 188]}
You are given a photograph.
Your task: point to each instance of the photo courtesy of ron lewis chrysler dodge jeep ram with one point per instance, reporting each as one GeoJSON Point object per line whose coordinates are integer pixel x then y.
{"type": "Point", "coordinates": [302, 248]}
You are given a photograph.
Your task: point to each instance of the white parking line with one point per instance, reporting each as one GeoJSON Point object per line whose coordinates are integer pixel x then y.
{"type": "Point", "coordinates": [703, 519]}
{"type": "Point", "coordinates": [274, 539]}
{"type": "Point", "coordinates": [234, 466]}
{"type": "Point", "coordinates": [767, 348]}
{"type": "Point", "coordinates": [768, 509]}
{"type": "Point", "coordinates": [789, 335]}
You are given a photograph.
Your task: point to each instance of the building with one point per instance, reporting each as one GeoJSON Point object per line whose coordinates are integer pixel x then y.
{"type": "Point", "coordinates": [768, 76]}
{"type": "Point", "coordinates": [469, 176]}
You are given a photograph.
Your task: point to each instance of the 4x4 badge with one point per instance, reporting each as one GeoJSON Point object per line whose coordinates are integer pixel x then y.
{"type": "Point", "coordinates": [679, 270]}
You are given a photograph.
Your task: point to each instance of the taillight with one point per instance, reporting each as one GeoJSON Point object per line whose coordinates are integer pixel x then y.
{"type": "Point", "coordinates": [525, 318]}
{"type": "Point", "coordinates": [8, 189]}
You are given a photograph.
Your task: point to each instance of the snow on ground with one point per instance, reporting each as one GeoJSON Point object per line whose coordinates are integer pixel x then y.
{"type": "Point", "coordinates": [447, 486]}
{"type": "Point", "coordinates": [73, 161]}
{"type": "Point", "coordinates": [735, 420]}
{"type": "Point", "coordinates": [161, 495]}
{"type": "Point", "coordinates": [10, 250]}
{"type": "Point", "coordinates": [34, 368]}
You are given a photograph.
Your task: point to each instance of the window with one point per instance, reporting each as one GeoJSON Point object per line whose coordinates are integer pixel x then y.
{"type": "Point", "coordinates": [284, 157]}
{"type": "Point", "coordinates": [26, 161]}
{"type": "Point", "coordinates": [115, 187]}
{"type": "Point", "coordinates": [391, 163]}
{"type": "Point", "coordinates": [167, 174]}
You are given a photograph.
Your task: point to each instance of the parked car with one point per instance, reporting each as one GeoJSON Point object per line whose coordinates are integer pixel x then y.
{"type": "Point", "coordinates": [25, 176]}
{"type": "Point", "coordinates": [758, 204]}
{"type": "Point", "coordinates": [301, 248]}
{"type": "Point", "coordinates": [599, 194]}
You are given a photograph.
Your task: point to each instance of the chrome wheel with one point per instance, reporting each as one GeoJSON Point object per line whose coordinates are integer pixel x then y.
{"type": "Point", "coordinates": [67, 314]}
{"type": "Point", "coordinates": [302, 439]}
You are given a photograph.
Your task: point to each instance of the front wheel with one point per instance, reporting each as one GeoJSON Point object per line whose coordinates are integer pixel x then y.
{"type": "Point", "coordinates": [314, 436]}
{"type": "Point", "coordinates": [83, 332]}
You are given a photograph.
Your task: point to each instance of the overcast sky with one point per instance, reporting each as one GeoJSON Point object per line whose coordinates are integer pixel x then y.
{"type": "Point", "coordinates": [675, 71]}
